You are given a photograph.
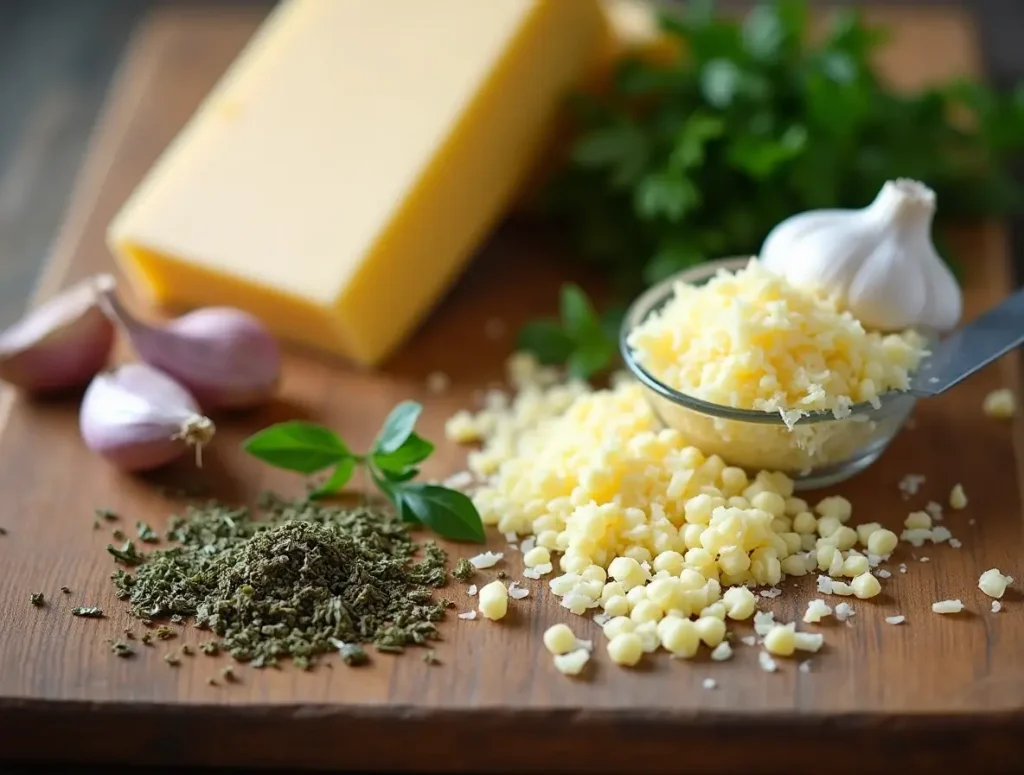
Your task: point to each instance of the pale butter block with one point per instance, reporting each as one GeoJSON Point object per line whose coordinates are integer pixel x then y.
{"type": "Point", "coordinates": [354, 156]}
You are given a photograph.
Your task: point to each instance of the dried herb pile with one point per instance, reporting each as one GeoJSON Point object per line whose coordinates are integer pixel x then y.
{"type": "Point", "coordinates": [303, 580]}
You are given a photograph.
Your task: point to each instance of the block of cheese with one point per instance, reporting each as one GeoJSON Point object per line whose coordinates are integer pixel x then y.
{"type": "Point", "coordinates": [351, 161]}
{"type": "Point", "coordinates": [631, 31]}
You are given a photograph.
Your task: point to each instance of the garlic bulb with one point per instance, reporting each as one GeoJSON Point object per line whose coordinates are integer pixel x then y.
{"type": "Point", "coordinates": [879, 262]}
{"type": "Point", "coordinates": [139, 418]}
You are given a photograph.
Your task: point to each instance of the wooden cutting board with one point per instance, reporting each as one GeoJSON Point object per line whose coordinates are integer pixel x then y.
{"type": "Point", "coordinates": [935, 691]}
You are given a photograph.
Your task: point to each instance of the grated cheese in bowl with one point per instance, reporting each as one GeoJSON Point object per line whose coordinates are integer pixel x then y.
{"type": "Point", "coordinates": [768, 376]}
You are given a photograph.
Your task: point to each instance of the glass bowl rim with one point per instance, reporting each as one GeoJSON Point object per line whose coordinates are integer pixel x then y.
{"type": "Point", "coordinates": [658, 294]}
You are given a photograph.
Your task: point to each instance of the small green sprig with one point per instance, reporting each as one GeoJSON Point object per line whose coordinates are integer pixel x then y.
{"type": "Point", "coordinates": [583, 340]}
{"type": "Point", "coordinates": [392, 464]}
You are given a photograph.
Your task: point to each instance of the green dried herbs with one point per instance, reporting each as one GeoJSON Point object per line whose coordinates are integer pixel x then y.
{"type": "Point", "coordinates": [37, 599]}
{"type": "Point", "coordinates": [146, 533]}
{"type": "Point", "coordinates": [122, 649]}
{"type": "Point", "coordinates": [464, 570]}
{"type": "Point", "coordinates": [87, 611]}
{"type": "Point", "coordinates": [127, 555]}
{"type": "Point", "coordinates": [295, 584]}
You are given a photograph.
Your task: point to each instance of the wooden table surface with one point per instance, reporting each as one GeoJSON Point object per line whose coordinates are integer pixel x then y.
{"type": "Point", "coordinates": [935, 691]}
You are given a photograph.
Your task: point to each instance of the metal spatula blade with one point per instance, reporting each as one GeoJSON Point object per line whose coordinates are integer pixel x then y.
{"type": "Point", "coordinates": [971, 348]}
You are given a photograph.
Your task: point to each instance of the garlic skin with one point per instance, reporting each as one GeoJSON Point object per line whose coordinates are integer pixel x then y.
{"type": "Point", "coordinates": [879, 262]}
{"type": "Point", "coordinates": [61, 344]}
{"type": "Point", "coordinates": [140, 419]}
{"type": "Point", "coordinates": [226, 357]}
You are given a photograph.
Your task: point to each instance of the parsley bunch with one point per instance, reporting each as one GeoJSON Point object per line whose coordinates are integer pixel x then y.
{"type": "Point", "coordinates": [392, 463]}
{"type": "Point", "coordinates": [699, 157]}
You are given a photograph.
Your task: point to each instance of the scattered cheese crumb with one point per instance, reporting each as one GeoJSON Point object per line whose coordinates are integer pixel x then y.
{"type": "Point", "coordinates": [781, 640]}
{"type": "Point", "coordinates": [903, 567]}
{"type": "Point", "coordinates": [934, 510]}
{"type": "Point", "coordinates": [763, 622]}
{"type": "Point", "coordinates": [517, 592]}
{"type": "Point", "coordinates": [573, 662]}
{"type": "Point", "coordinates": [882, 573]}
{"type": "Point", "coordinates": [816, 611]}
{"type": "Point", "coordinates": [438, 382]}
{"type": "Point", "coordinates": [895, 619]}
{"type": "Point", "coordinates": [625, 649]}
{"type": "Point", "coordinates": [996, 606]}
{"type": "Point", "coordinates": [559, 639]}
{"type": "Point", "coordinates": [770, 593]}
{"type": "Point", "coordinates": [471, 590]}
{"type": "Point", "coordinates": [709, 683]}
{"type": "Point", "coordinates": [957, 498]}
{"type": "Point", "coordinates": [971, 521]}
{"type": "Point", "coordinates": [805, 666]}
{"type": "Point", "coordinates": [993, 583]}
{"type": "Point", "coordinates": [844, 611]}
{"type": "Point", "coordinates": [910, 484]}
{"type": "Point", "coordinates": [468, 615]}
{"type": "Point", "coordinates": [809, 641]}
{"type": "Point", "coordinates": [494, 600]}
{"type": "Point", "coordinates": [956, 543]}
{"type": "Point", "coordinates": [602, 619]}
{"type": "Point", "coordinates": [926, 559]}
{"type": "Point", "coordinates": [948, 607]}
{"type": "Point", "coordinates": [486, 560]}
{"type": "Point", "coordinates": [1000, 404]}
{"type": "Point", "coordinates": [722, 652]}
{"type": "Point", "coordinates": [767, 663]}
{"type": "Point", "coordinates": [462, 480]}
{"type": "Point", "coordinates": [749, 640]}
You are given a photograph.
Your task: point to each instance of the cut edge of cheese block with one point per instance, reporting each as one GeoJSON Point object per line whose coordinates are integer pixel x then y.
{"type": "Point", "coordinates": [386, 298]}
{"type": "Point", "coordinates": [631, 30]}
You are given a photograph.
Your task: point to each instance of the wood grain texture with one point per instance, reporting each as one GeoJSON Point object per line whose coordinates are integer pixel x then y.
{"type": "Point", "coordinates": [937, 691]}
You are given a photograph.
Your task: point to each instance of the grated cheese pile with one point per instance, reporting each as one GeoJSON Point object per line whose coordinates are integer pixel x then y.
{"type": "Point", "coordinates": [665, 540]}
{"type": "Point", "coordinates": [750, 340]}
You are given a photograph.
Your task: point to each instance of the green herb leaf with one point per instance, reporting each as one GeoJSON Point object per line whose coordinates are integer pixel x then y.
{"type": "Point", "coordinates": [339, 478]}
{"type": "Point", "coordinates": [756, 120]}
{"type": "Point", "coordinates": [591, 359]}
{"type": "Point", "coordinates": [414, 450]}
{"type": "Point", "coordinates": [578, 315]}
{"type": "Point", "coordinates": [546, 340]}
{"type": "Point", "coordinates": [398, 427]}
{"type": "Point", "coordinates": [297, 446]}
{"type": "Point", "coordinates": [448, 513]}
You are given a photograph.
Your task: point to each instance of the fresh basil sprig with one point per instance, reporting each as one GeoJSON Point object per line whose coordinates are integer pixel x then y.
{"type": "Point", "coordinates": [392, 463]}
{"type": "Point", "coordinates": [582, 340]}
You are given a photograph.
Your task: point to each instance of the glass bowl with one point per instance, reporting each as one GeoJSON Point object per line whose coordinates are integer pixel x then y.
{"type": "Point", "coordinates": [818, 451]}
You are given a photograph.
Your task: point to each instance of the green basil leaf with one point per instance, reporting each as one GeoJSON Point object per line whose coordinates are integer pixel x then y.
{"type": "Point", "coordinates": [578, 315]}
{"type": "Point", "coordinates": [721, 81]}
{"type": "Point", "coordinates": [763, 32]}
{"type": "Point", "coordinates": [414, 450]}
{"type": "Point", "coordinates": [546, 340]}
{"type": "Point", "coordinates": [393, 492]}
{"type": "Point", "coordinates": [398, 427]}
{"type": "Point", "coordinates": [590, 359]}
{"type": "Point", "coordinates": [337, 480]}
{"type": "Point", "coordinates": [448, 513]}
{"type": "Point", "coordinates": [297, 446]}
{"type": "Point", "coordinates": [671, 258]}
{"type": "Point", "coordinates": [666, 195]}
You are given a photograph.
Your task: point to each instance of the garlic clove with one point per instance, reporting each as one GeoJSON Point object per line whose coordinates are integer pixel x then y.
{"type": "Point", "coordinates": [61, 344]}
{"type": "Point", "coordinates": [878, 262]}
{"type": "Point", "coordinates": [139, 418]}
{"type": "Point", "coordinates": [226, 357]}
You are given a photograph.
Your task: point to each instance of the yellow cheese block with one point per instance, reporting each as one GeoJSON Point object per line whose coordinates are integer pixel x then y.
{"type": "Point", "coordinates": [631, 31]}
{"type": "Point", "coordinates": [352, 159]}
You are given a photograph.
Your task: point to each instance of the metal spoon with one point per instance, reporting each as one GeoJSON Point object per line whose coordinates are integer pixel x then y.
{"type": "Point", "coordinates": [971, 348]}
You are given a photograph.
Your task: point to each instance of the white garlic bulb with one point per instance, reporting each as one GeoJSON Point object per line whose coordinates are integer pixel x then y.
{"type": "Point", "coordinates": [878, 262]}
